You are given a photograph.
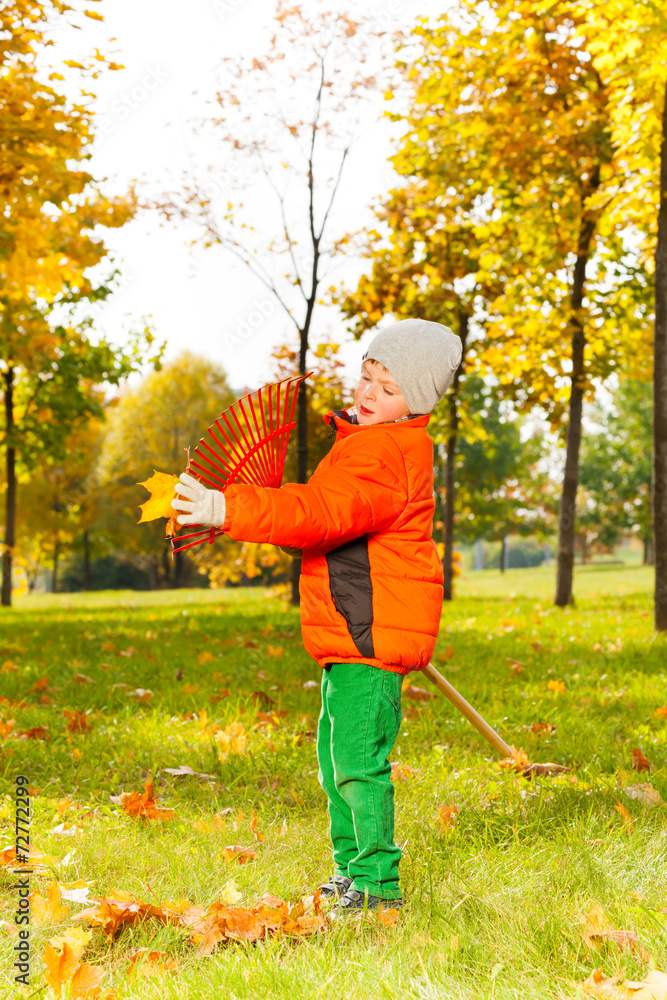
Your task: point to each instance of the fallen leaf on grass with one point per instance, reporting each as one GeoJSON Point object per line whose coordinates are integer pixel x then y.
{"type": "Point", "coordinates": [446, 655]}
{"type": "Point", "coordinates": [625, 816]}
{"type": "Point", "coordinates": [6, 727]}
{"type": "Point", "coordinates": [33, 859]}
{"type": "Point", "coordinates": [36, 733]}
{"type": "Point", "coordinates": [185, 769]}
{"type": "Point", "coordinates": [242, 855]}
{"type": "Point", "coordinates": [75, 937]}
{"type": "Point", "coordinates": [558, 687]}
{"type": "Point", "coordinates": [205, 657]}
{"type": "Point", "coordinates": [542, 727]}
{"type": "Point", "coordinates": [141, 694]}
{"type": "Point", "coordinates": [231, 740]}
{"type": "Point", "coordinates": [275, 651]}
{"type": "Point", "coordinates": [65, 969]}
{"type": "Point", "coordinates": [639, 761]}
{"type": "Point", "coordinates": [229, 894]}
{"type": "Point", "coordinates": [118, 909]}
{"type": "Point", "coordinates": [654, 987]}
{"type": "Point", "coordinates": [399, 772]}
{"type": "Point", "coordinates": [645, 793]}
{"type": "Point", "coordinates": [599, 930]}
{"type": "Point", "coordinates": [661, 713]}
{"type": "Point", "coordinates": [419, 694]}
{"type": "Point", "coordinates": [516, 666]}
{"type": "Point", "coordinates": [385, 918]}
{"type": "Point", "coordinates": [145, 962]}
{"type": "Point", "coordinates": [77, 721]}
{"type": "Point", "coordinates": [83, 679]}
{"type": "Point", "coordinates": [143, 806]}
{"type": "Point", "coordinates": [445, 817]}
{"type": "Point", "coordinates": [517, 761]}
{"type": "Point", "coordinates": [271, 916]}
{"type": "Point", "coordinates": [259, 837]}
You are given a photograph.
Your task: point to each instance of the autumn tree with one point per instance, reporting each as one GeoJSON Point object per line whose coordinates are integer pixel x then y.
{"type": "Point", "coordinates": [51, 211]}
{"type": "Point", "coordinates": [58, 500]}
{"type": "Point", "coordinates": [425, 261]}
{"type": "Point", "coordinates": [289, 118]}
{"type": "Point", "coordinates": [509, 114]}
{"type": "Point", "coordinates": [627, 40]}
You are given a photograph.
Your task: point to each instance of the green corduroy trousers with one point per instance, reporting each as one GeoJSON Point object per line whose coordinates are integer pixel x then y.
{"type": "Point", "coordinates": [357, 728]}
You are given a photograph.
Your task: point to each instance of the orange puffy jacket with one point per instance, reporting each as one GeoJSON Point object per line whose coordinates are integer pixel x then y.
{"type": "Point", "coordinates": [371, 578]}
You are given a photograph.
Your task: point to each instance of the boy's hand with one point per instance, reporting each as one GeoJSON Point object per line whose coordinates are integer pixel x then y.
{"type": "Point", "coordinates": [203, 506]}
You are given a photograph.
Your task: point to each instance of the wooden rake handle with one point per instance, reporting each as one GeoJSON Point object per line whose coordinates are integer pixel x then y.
{"type": "Point", "coordinates": [466, 709]}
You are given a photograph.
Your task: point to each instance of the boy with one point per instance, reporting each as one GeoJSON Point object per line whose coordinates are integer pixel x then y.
{"type": "Point", "coordinates": [370, 586]}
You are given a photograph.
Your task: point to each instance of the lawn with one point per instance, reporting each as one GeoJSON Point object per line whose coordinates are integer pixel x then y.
{"type": "Point", "coordinates": [499, 890]}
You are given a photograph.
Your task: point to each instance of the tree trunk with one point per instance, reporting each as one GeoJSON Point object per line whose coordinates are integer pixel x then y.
{"type": "Point", "coordinates": [10, 499]}
{"type": "Point", "coordinates": [86, 561]}
{"type": "Point", "coordinates": [648, 551]}
{"type": "Point", "coordinates": [450, 467]}
{"type": "Point", "coordinates": [503, 554]}
{"type": "Point", "coordinates": [302, 442]}
{"type": "Point", "coordinates": [54, 581]}
{"type": "Point", "coordinates": [660, 398]}
{"type": "Point", "coordinates": [178, 569]}
{"type": "Point", "coordinates": [568, 500]}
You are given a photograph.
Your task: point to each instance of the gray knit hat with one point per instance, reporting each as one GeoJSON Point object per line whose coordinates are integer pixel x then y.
{"type": "Point", "coordinates": [422, 358]}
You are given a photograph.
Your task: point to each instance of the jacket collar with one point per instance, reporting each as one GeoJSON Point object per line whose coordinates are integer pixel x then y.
{"type": "Point", "coordinates": [339, 421]}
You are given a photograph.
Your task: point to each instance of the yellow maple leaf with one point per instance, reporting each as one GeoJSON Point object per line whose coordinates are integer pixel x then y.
{"type": "Point", "coordinates": [161, 488]}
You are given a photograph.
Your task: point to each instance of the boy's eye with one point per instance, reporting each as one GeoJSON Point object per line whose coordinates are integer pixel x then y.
{"type": "Point", "coordinates": [388, 393]}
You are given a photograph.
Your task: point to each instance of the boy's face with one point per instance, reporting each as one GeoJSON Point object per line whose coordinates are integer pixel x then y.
{"type": "Point", "coordinates": [377, 397]}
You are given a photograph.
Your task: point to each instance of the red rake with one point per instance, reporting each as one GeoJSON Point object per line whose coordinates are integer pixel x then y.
{"type": "Point", "coordinates": [246, 444]}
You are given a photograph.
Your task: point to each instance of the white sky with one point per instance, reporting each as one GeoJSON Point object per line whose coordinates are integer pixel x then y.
{"type": "Point", "coordinates": [194, 296]}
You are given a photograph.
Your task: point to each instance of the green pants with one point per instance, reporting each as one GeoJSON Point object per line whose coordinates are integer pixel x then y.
{"type": "Point", "coordinates": [358, 725]}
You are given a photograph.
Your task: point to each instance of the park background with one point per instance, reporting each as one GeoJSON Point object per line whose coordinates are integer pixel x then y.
{"type": "Point", "coordinates": [200, 201]}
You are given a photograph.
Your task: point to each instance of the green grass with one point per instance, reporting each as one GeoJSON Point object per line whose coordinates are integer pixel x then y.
{"type": "Point", "coordinates": [496, 904]}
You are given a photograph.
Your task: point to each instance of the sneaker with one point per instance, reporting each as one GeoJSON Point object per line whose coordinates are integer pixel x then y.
{"type": "Point", "coordinates": [354, 901]}
{"type": "Point", "coordinates": [336, 887]}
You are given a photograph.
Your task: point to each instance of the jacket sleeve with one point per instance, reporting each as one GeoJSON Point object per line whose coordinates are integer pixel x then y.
{"type": "Point", "coordinates": [356, 494]}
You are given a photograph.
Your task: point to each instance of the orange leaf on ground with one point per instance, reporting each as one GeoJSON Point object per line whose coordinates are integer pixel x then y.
{"type": "Point", "coordinates": [445, 817]}
{"type": "Point", "coordinates": [625, 816]}
{"type": "Point", "coordinates": [59, 967]}
{"type": "Point", "coordinates": [144, 806]}
{"type": "Point", "coordinates": [77, 721]}
{"type": "Point", "coordinates": [661, 713]}
{"type": "Point", "coordinates": [542, 727]}
{"type": "Point", "coordinates": [253, 826]}
{"type": "Point", "coordinates": [558, 687]}
{"type": "Point", "coordinates": [517, 761]}
{"type": "Point", "coordinates": [599, 930]}
{"type": "Point", "coordinates": [639, 761]}
{"type": "Point", "coordinates": [162, 492]}
{"type": "Point", "coordinates": [399, 772]}
{"type": "Point", "coordinates": [47, 909]}
{"type": "Point", "coordinates": [145, 962]}
{"type": "Point", "coordinates": [86, 981]}
{"type": "Point", "coordinates": [242, 855]}
{"type": "Point", "coordinates": [36, 733]}
{"type": "Point", "coordinates": [654, 987]}
{"type": "Point", "coordinates": [419, 694]}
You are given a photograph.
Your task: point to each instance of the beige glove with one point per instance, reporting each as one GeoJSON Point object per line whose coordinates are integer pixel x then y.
{"type": "Point", "coordinates": [203, 506]}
